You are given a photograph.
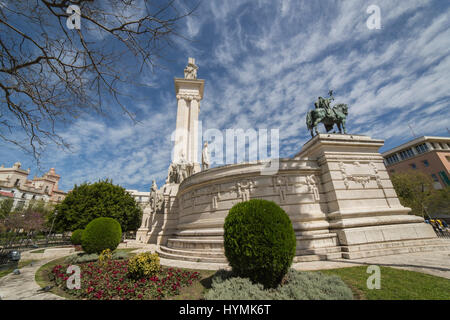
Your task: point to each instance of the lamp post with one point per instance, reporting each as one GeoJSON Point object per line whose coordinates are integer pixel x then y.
{"type": "Point", "coordinates": [53, 222]}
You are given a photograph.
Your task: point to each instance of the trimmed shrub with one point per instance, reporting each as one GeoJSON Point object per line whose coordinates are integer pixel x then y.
{"type": "Point", "coordinates": [76, 237]}
{"type": "Point", "coordinates": [105, 257]}
{"type": "Point", "coordinates": [143, 265]}
{"type": "Point", "coordinates": [100, 234]}
{"type": "Point", "coordinates": [259, 241]}
{"type": "Point", "coordinates": [298, 286]}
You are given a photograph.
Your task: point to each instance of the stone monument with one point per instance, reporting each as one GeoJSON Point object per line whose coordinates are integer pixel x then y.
{"type": "Point", "coordinates": [189, 93]}
{"type": "Point", "coordinates": [336, 191]}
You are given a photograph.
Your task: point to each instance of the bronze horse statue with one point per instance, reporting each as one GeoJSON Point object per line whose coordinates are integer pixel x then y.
{"type": "Point", "coordinates": [336, 115]}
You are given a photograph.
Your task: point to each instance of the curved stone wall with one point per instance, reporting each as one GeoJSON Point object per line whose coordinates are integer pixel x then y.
{"type": "Point", "coordinates": [336, 191]}
{"type": "Point", "coordinates": [205, 198]}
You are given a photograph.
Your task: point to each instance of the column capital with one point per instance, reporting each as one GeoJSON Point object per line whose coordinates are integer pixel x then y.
{"type": "Point", "coordinates": [189, 97]}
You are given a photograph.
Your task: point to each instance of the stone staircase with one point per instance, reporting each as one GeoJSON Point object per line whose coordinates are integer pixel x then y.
{"type": "Point", "coordinates": [318, 254]}
{"type": "Point", "coordinates": [210, 256]}
{"type": "Point", "coordinates": [211, 250]}
{"type": "Point", "coordinates": [394, 247]}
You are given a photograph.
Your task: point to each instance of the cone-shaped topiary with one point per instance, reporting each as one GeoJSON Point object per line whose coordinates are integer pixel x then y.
{"type": "Point", "coordinates": [259, 241]}
{"type": "Point", "coordinates": [100, 234]}
{"type": "Point", "coordinates": [76, 236]}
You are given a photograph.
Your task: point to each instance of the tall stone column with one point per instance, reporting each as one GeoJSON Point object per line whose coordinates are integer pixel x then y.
{"type": "Point", "coordinates": [189, 92]}
{"type": "Point", "coordinates": [182, 127]}
{"type": "Point", "coordinates": [193, 131]}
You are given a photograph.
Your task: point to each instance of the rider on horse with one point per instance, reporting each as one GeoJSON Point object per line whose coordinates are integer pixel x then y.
{"type": "Point", "coordinates": [325, 104]}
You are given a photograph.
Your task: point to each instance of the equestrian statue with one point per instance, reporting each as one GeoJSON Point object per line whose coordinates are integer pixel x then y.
{"type": "Point", "coordinates": [326, 114]}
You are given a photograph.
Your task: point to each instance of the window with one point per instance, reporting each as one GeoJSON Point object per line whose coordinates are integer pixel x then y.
{"type": "Point", "coordinates": [413, 165]}
{"type": "Point", "coordinates": [392, 159]}
{"type": "Point", "coordinates": [421, 148]}
{"type": "Point", "coordinates": [405, 154]}
{"type": "Point", "coordinates": [23, 195]}
{"type": "Point", "coordinates": [434, 177]}
{"type": "Point", "coordinates": [444, 177]}
{"type": "Point", "coordinates": [425, 163]}
{"type": "Point", "coordinates": [17, 183]}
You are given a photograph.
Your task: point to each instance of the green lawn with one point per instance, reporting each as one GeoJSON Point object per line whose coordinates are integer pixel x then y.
{"type": "Point", "coordinates": [42, 278]}
{"type": "Point", "coordinates": [38, 251]}
{"type": "Point", "coordinates": [396, 284]}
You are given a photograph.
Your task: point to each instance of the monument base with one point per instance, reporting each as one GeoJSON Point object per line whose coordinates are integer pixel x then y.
{"type": "Point", "coordinates": [336, 192]}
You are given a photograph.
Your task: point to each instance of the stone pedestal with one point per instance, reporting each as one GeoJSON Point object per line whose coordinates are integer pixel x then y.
{"type": "Point", "coordinates": [363, 208]}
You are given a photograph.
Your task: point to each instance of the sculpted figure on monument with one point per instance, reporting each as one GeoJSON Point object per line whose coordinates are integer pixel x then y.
{"type": "Point", "coordinates": [190, 72]}
{"type": "Point", "coordinates": [326, 114]}
{"type": "Point", "coordinates": [185, 168]}
{"type": "Point", "coordinates": [156, 199]}
{"type": "Point", "coordinates": [205, 156]}
{"type": "Point", "coordinates": [172, 175]}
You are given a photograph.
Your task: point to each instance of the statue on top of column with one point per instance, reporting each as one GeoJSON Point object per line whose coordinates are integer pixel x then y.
{"type": "Point", "coordinates": [190, 72]}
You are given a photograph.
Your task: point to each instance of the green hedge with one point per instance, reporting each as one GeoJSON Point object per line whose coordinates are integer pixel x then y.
{"type": "Point", "coordinates": [259, 241]}
{"type": "Point", "coordinates": [299, 285]}
{"type": "Point", "coordinates": [100, 234]}
{"type": "Point", "coordinates": [76, 236]}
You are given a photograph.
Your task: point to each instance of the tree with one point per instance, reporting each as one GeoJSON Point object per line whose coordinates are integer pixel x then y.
{"type": "Point", "coordinates": [50, 74]}
{"type": "Point", "coordinates": [413, 190]}
{"type": "Point", "coordinates": [6, 207]}
{"type": "Point", "coordinates": [439, 202]}
{"type": "Point", "coordinates": [101, 199]}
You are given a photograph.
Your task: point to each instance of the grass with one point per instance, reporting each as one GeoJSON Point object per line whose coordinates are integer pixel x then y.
{"type": "Point", "coordinates": [396, 284]}
{"type": "Point", "coordinates": [21, 264]}
{"type": "Point", "coordinates": [42, 278]}
{"type": "Point", "coordinates": [198, 288]}
{"type": "Point", "coordinates": [38, 251]}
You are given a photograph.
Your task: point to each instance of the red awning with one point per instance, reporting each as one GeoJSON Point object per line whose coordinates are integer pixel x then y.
{"type": "Point", "coordinates": [7, 194]}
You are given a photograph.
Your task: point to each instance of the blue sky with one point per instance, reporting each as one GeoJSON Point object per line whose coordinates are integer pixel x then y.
{"type": "Point", "coordinates": [264, 65]}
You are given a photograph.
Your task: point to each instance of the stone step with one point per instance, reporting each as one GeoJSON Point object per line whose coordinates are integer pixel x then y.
{"type": "Point", "coordinates": [392, 245]}
{"type": "Point", "coordinates": [318, 257]}
{"type": "Point", "coordinates": [203, 237]}
{"type": "Point", "coordinates": [396, 250]}
{"type": "Point", "coordinates": [162, 253]}
{"type": "Point", "coordinates": [212, 253]}
{"type": "Point", "coordinates": [318, 251]}
{"type": "Point", "coordinates": [185, 243]}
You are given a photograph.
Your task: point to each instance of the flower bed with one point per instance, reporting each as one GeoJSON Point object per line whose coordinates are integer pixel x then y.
{"type": "Point", "coordinates": [111, 282]}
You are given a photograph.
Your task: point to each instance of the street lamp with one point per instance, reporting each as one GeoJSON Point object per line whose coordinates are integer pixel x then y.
{"type": "Point", "coordinates": [53, 222]}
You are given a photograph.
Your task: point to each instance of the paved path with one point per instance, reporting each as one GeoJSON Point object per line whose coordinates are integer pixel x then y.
{"type": "Point", "coordinates": [23, 286]}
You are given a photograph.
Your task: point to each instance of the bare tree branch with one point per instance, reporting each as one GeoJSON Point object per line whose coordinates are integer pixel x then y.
{"type": "Point", "coordinates": [50, 75]}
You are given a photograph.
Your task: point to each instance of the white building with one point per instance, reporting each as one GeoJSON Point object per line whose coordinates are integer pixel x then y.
{"type": "Point", "coordinates": [14, 184]}
{"type": "Point", "coordinates": [141, 197]}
